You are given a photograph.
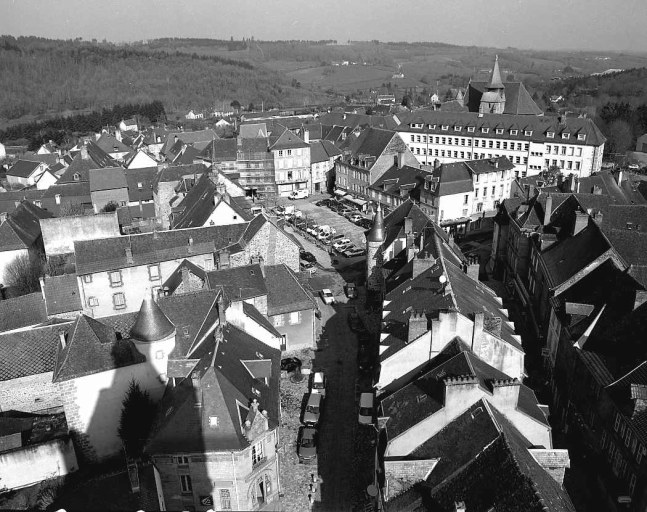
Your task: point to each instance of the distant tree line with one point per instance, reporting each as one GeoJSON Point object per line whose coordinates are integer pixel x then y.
{"type": "Point", "coordinates": [622, 123]}
{"type": "Point", "coordinates": [60, 128]}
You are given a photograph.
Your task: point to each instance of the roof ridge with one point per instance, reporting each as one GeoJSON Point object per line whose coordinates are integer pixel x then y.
{"type": "Point", "coordinates": [617, 381]}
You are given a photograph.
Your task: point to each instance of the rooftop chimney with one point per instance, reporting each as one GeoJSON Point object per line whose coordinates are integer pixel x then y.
{"type": "Point", "coordinates": [421, 263]}
{"type": "Point", "coordinates": [84, 152]}
{"type": "Point", "coordinates": [548, 210]}
{"type": "Point", "coordinates": [63, 337]}
{"type": "Point", "coordinates": [460, 506]}
{"type": "Point", "coordinates": [619, 178]}
{"type": "Point", "coordinates": [581, 221]}
{"type": "Point", "coordinates": [639, 396]}
{"type": "Point", "coordinates": [115, 148]}
{"type": "Point", "coordinates": [129, 254]}
{"type": "Point", "coordinates": [399, 159]}
{"type": "Point", "coordinates": [408, 225]}
{"type": "Point", "coordinates": [473, 266]}
{"type": "Point", "coordinates": [417, 325]}
{"type": "Point", "coordinates": [185, 279]}
{"type": "Point", "coordinates": [505, 393]}
{"type": "Point", "coordinates": [195, 380]}
{"type": "Point", "coordinates": [190, 244]}
{"type": "Point", "coordinates": [306, 136]}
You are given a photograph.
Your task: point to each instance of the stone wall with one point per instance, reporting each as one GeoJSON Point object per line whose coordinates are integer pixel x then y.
{"type": "Point", "coordinates": [59, 234]}
{"type": "Point", "coordinates": [33, 393]}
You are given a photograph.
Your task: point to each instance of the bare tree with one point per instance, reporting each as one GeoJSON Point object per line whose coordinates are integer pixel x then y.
{"type": "Point", "coordinates": [23, 274]}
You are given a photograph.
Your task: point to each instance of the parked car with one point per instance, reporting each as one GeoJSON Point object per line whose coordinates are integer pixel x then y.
{"type": "Point", "coordinates": [312, 229]}
{"type": "Point", "coordinates": [351, 290]}
{"type": "Point", "coordinates": [306, 266]}
{"type": "Point", "coordinates": [633, 167]}
{"type": "Point", "coordinates": [318, 383]}
{"type": "Point", "coordinates": [345, 211]}
{"type": "Point", "coordinates": [354, 252]}
{"type": "Point", "coordinates": [289, 364]}
{"type": "Point", "coordinates": [298, 194]}
{"type": "Point", "coordinates": [366, 408]}
{"type": "Point", "coordinates": [341, 244]}
{"type": "Point", "coordinates": [325, 238]}
{"type": "Point", "coordinates": [298, 214]}
{"type": "Point", "coordinates": [312, 412]}
{"type": "Point", "coordinates": [365, 223]}
{"type": "Point", "coordinates": [344, 252]}
{"type": "Point", "coordinates": [355, 217]}
{"type": "Point", "coordinates": [323, 202]}
{"type": "Point", "coordinates": [364, 359]}
{"type": "Point", "coordinates": [307, 445]}
{"type": "Point", "coordinates": [327, 296]}
{"type": "Point", "coordinates": [355, 322]}
{"type": "Point", "coordinates": [307, 256]}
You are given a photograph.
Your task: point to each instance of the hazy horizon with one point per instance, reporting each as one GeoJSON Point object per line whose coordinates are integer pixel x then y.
{"type": "Point", "coordinates": [568, 25]}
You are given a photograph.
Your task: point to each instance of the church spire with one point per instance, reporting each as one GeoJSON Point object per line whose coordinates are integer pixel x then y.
{"type": "Point", "coordinates": [495, 80]}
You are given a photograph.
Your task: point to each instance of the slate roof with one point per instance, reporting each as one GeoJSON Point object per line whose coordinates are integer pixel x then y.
{"type": "Point", "coordinates": [260, 319]}
{"type": "Point", "coordinates": [29, 352]}
{"type": "Point", "coordinates": [287, 140]}
{"type": "Point", "coordinates": [284, 292]}
{"type": "Point", "coordinates": [517, 99]}
{"type": "Point", "coordinates": [539, 126]}
{"type": "Point", "coordinates": [358, 120]}
{"type": "Point", "coordinates": [221, 150]}
{"type": "Point", "coordinates": [371, 142]}
{"type": "Point", "coordinates": [96, 159]}
{"type": "Point", "coordinates": [110, 144]}
{"type": "Point", "coordinates": [108, 178]}
{"type": "Point", "coordinates": [93, 347]}
{"type": "Point", "coordinates": [175, 279]}
{"type": "Point", "coordinates": [49, 159]}
{"type": "Point", "coordinates": [176, 172]}
{"type": "Point", "coordinates": [62, 294]}
{"type": "Point", "coordinates": [395, 178]}
{"type": "Point", "coordinates": [225, 384]}
{"type": "Point", "coordinates": [22, 227]}
{"type": "Point", "coordinates": [454, 178]}
{"type": "Point", "coordinates": [239, 283]}
{"type": "Point", "coordinates": [22, 311]}
{"type": "Point", "coordinates": [253, 130]}
{"type": "Point", "coordinates": [23, 168]}
{"type": "Point", "coordinates": [110, 253]}
{"type": "Point", "coordinates": [322, 151]}
{"type": "Point", "coordinates": [146, 176]}
{"type": "Point", "coordinates": [188, 138]}
{"type": "Point", "coordinates": [394, 221]}
{"type": "Point", "coordinates": [197, 205]}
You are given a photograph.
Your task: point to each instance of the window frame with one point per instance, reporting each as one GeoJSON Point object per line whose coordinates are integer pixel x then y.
{"type": "Point", "coordinates": [115, 284]}
{"type": "Point", "coordinates": [87, 278]}
{"type": "Point", "coordinates": [186, 485]}
{"type": "Point", "coordinates": [225, 499]}
{"type": "Point", "coordinates": [150, 275]}
{"type": "Point", "coordinates": [114, 301]}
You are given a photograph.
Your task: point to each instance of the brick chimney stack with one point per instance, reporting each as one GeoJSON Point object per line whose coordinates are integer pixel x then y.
{"type": "Point", "coordinates": [505, 393]}
{"type": "Point", "coordinates": [417, 325]}
{"type": "Point", "coordinates": [548, 210]}
{"type": "Point", "coordinates": [422, 262]}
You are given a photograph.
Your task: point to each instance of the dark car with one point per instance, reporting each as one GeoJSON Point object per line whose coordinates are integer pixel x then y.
{"type": "Point", "coordinates": [290, 364]}
{"type": "Point", "coordinates": [355, 322]}
{"type": "Point", "coordinates": [351, 290]}
{"type": "Point", "coordinates": [324, 202]}
{"type": "Point", "coordinates": [307, 445]}
{"type": "Point", "coordinates": [307, 256]}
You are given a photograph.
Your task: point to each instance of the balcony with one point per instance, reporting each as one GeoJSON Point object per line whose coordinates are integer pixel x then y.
{"type": "Point", "coordinates": [259, 462]}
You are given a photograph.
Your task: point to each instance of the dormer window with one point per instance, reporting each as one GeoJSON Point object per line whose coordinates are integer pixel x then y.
{"type": "Point", "coordinates": [581, 136]}
{"type": "Point", "coordinates": [499, 131]}
{"type": "Point", "coordinates": [444, 127]}
{"type": "Point", "coordinates": [514, 132]}
{"type": "Point", "coordinates": [470, 129]}
{"type": "Point", "coordinates": [485, 130]}
{"type": "Point", "coordinates": [431, 126]}
{"type": "Point", "coordinates": [528, 133]}
{"type": "Point", "coordinates": [458, 128]}
{"type": "Point", "coordinates": [566, 135]}
{"type": "Point", "coordinates": [550, 135]}
{"type": "Point", "coordinates": [76, 176]}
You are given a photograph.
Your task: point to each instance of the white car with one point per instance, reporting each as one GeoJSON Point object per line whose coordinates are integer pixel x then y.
{"type": "Point", "coordinates": [298, 194]}
{"type": "Point", "coordinates": [339, 245]}
{"type": "Point", "coordinates": [327, 296]}
{"type": "Point", "coordinates": [366, 408]}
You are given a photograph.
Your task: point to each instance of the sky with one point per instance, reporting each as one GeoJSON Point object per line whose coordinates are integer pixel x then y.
{"type": "Point", "coordinates": [612, 25]}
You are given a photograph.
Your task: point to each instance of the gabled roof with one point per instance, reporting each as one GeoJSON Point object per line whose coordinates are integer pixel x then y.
{"type": "Point", "coordinates": [175, 279]}
{"type": "Point", "coordinates": [93, 347]}
{"type": "Point", "coordinates": [22, 227]}
{"type": "Point", "coordinates": [260, 319]}
{"type": "Point", "coordinates": [322, 151]}
{"type": "Point", "coordinates": [253, 130]}
{"type": "Point", "coordinates": [110, 253]}
{"type": "Point", "coordinates": [29, 352]}
{"type": "Point", "coordinates": [23, 168]}
{"type": "Point", "coordinates": [284, 292]}
{"type": "Point", "coordinates": [146, 176]}
{"type": "Point", "coordinates": [23, 311]}
{"type": "Point", "coordinates": [371, 142]}
{"type": "Point", "coordinates": [108, 178]}
{"type": "Point", "coordinates": [238, 283]}
{"type": "Point", "coordinates": [110, 144]}
{"type": "Point", "coordinates": [199, 136]}
{"type": "Point", "coordinates": [287, 140]}
{"type": "Point", "coordinates": [95, 158]}
{"type": "Point", "coordinates": [225, 390]}
{"type": "Point", "coordinates": [453, 178]}
{"type": "Point", "coordinates": [62, 294]}
{"type": "Point", "coordinates": [221, 150]}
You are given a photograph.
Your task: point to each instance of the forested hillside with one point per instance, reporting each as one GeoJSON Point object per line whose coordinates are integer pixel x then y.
{"type": "Point", "coordinates": [40, 75]}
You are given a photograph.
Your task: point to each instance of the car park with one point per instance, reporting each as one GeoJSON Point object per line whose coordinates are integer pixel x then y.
{"type": "Point", "coordinates": [327, 296]}
{"type": "Point", "coordinates": [307, 256]}
{"type": "Point", "coordinates": [312, 411]}
{"type": "Point", "coordinates": [353, 252]}
{"type": "Point", "coordinates": [351, 290]}
{"type": "Point", "coordinates": [366, 408]}
{"type": "Point", "coordinates": [318, 383]}
{"type": "Point", "coordinates": [307, 445]}
{"type": "Point", "coordinates": [298, 194]}
{"type": "Point", "coordinates": [290, 364]}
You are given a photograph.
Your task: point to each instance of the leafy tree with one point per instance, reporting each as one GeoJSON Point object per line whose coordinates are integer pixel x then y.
{"type": "Point", "coordinates": [137, 416]}
{"type": "Point", "coordinates": [407, 101]}
{"type": "Point", "coordinates": [23, 274]}
{"type": "Point", "coordinates": [235, 105]}
{"type": "Point", "coordinates": [110, 206]}
{"type": "Point", "coordinates": [619, 137]}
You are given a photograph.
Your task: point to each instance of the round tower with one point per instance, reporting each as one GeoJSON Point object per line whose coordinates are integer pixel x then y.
{"type": "Point", "coordinates": [374, 240]}
{"type": "Point", "coordinates": [153, 335]}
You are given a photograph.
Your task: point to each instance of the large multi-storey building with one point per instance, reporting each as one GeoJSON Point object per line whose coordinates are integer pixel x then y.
{"type": "Point", "coordinates": [256, 166]}
{"type": "Point", "coordinates": [291, 162]}
{"type": "Point", "coordinates": [532, 143]}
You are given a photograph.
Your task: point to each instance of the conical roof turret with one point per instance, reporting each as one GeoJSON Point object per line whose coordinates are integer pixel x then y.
{"type": "Point", "coordinates": [495, 80]}
{"type": "Point", "coordinates": [152, 324]}
{"type": "Point", "coordinates": [376, 234]}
